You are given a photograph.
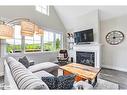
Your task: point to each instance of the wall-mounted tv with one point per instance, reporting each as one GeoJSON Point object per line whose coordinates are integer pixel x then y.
{"type": "Point", "coordinates": [85, 36]}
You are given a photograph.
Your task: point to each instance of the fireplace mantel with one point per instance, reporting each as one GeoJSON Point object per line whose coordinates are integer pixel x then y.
{"type": "Point", "coordinates": [96, 48]}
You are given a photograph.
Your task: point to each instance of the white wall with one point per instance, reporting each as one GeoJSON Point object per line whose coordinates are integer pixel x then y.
{"type": "Point", "coordinates": [87, 21]}
{"type": "Point", "coordinates": [38, 57]}
{"type": "Point", "coordinates": [114, 56]}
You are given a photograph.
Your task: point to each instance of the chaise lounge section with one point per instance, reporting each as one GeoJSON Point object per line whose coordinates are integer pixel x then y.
{"type": "Point", "coordinates": [46, 66]}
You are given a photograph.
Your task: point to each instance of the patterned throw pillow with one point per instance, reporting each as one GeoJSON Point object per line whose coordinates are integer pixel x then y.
{"type": "Point", "coordinates": [50, 81]}
{"type": "Point", "coordinates": [24, 61]}
{"type": "Point", "coordinates": [65, 82]}
{"type": "Point", "coordinates": [61, 82]}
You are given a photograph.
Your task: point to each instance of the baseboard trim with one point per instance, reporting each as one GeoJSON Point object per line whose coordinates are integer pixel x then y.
{"type": "Point", "coordinates": [115, 68]}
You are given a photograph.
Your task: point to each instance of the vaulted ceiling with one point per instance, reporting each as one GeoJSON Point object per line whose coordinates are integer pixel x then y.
{"type": "Point", "coordinates": [69, 13]}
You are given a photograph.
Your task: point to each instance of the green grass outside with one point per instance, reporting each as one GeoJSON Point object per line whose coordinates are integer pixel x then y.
{"type": "Point", "coordinates": [34, 47]}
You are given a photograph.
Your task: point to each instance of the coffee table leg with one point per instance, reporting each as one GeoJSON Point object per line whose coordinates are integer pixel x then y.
{"type": "Point", "coordinates": [94, 83]}
{"type": "Point", "coordinates": [89, 81]}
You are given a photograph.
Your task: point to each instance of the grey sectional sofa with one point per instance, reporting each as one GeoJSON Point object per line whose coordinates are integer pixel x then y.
{"type": "Point", "coordinates": [17, 76]}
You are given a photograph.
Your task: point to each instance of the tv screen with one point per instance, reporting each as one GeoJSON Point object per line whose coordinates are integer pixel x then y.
{"type": "Point", "coordinates": [84, 36]}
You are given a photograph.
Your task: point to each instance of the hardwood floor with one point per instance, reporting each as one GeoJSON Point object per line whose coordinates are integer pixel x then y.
{"type": "Point", "coordinates": [115, 76]}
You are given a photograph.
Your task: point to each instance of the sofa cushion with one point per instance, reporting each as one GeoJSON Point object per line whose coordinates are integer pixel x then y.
{"type": "Point", "coordinates": [23, 77]}
{"type": "Point", "coordinates": [65, 82]}
{"type": "Point", "coordinates": [43, 74]}
{"type": "Point", "coordinates": [50, 81]}
{"type": "Point", "coordinates": [24, 61]}
{"type": "Point", "coordinates": [8, 78]}
{"type": "Point", "coordinates": [61, 82]}
{"type": "Point", "coordinates": [47, 66]}
{"type": "Point", "coordinates": [30, 82]}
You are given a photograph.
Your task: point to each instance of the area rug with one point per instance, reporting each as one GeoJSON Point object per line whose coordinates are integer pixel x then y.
{"type": "Point", "coordinates": [106, 85]}
{"type": "Point", "coordinates": [101, 85]}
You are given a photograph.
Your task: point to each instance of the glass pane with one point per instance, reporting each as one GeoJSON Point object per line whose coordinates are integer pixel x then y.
{"type": "Point", "coordinates": [43, 9]}
{"type": "Point", "coordinates": [58, 41]}
{"type": "Point", "coordinates": [33, 44]}
{"type": "Point", "coordinates": [10, 45]}
{"type": "Point", "coordinates": [58, 36]}
{"type": "Point", "coordinates": [38, 8]}
{"type": "Point", "coordinates": [17, 45]}
{"type": "Point", "coordinates": [48, 41]}
{"type": "Point", "coordinates": [17, 31]}
{"type": "Point", "coordinates": [14, 45]}
{"type": "Point", "coordinates": [37, 38]}
{"type": "Point", "coordinates": [10, 41]}
{"type": "Point", "coordinates": [28, 45]}
{"type": "Point", "coordinates": [50, 36]}
{"type": "Point", "coordinates": [45, 36]}
{"type": "Point", "coordinates": [37, 42]}
{"type": "Point", "coordinates": [28, 38]}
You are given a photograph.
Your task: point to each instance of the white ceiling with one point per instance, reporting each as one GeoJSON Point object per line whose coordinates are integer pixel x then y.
{"type": "Point", "coordinates": [69, 13]}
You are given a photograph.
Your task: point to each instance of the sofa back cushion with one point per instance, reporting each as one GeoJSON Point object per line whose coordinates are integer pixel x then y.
{"type": "Point", "coordinates": [24, 61]}
{"type": "Point", "coordinates": [23, 77]}
{"type": "Point", "coordinates": [8, 78]}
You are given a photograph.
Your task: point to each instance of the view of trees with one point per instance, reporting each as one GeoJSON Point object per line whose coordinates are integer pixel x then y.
{"type": "Point", "coordinates": [34, 47]}
{"type": "Point", "coordinates": [13, 48]}
{"type": "Point", "coordinates": [57, 44]}
{"type": "Point", "coordinates": [49, 46]}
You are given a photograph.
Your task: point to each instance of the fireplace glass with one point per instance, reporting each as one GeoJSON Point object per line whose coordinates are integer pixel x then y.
{"type": "Point", "coordinates": [86, 58]}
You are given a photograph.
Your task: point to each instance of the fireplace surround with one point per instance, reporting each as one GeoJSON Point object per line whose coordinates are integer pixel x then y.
{"type": "Point", "coordinates": [93, 50]}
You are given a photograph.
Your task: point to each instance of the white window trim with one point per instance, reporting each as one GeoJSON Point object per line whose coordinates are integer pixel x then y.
{"type": "Point", "coordinates": [42, 42]}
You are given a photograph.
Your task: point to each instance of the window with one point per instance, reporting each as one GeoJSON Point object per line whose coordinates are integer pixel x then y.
{"type": "Point", "coordinates": [52, 41]}
{"type": "Point", "coordinates": [32, 44]}
{"type": "Point", "coordinates": [43, 9]}
{"type": "Point", "coordinates": [48, 41]}
{"type": "Point", "coordinates": [58, 42]}
{"type": "Point", "coordinates": [14, 45]}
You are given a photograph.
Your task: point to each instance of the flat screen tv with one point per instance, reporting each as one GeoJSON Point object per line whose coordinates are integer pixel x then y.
{"type": "Point", "coordinates": [85, 36]}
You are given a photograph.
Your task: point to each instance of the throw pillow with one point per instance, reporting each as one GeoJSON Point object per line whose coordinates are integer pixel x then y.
{"type": "Point", "coordinates": [24, 61]}
{"type": "Point", "coordinates": [61, 82]}
{"type": "Point", "coordinates": [50, 81]}
{"type": "Point", "coordinates": [65, 82]}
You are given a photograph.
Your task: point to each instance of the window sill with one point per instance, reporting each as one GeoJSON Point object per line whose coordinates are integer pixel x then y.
{"type": "Point", "coordinates": [32, 52]}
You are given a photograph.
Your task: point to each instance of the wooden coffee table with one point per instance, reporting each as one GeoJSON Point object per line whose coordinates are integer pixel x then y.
{"type": "Point", "coordinates": [82, 72]}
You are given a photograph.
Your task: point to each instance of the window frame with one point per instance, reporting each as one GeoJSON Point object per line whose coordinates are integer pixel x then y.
{"type": "Point", "coordinates": [42, 42]}
{"type": "Point", "coordinates": [44, 9]}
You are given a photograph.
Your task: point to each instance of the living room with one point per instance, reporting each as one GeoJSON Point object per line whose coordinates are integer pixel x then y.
{"type": "Point", "coordinates": [59, 24]}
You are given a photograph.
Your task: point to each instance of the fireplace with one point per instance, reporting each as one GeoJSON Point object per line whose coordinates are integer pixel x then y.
{"type": "Point", "coordinates": [86, 58]}
{"type": "Point", "coordinates": [89, 54]}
